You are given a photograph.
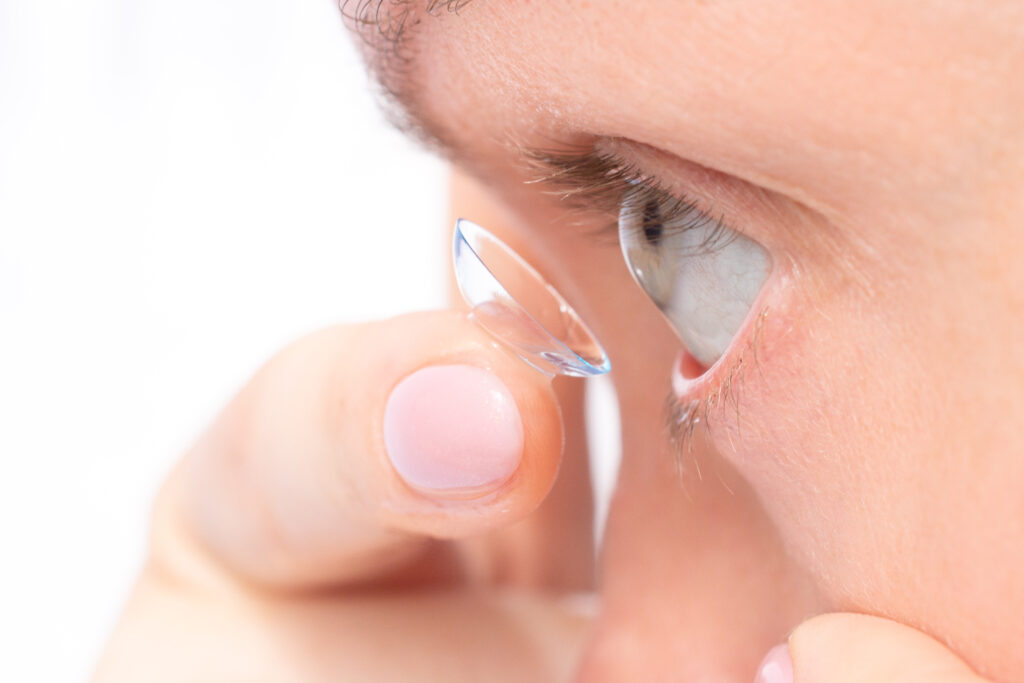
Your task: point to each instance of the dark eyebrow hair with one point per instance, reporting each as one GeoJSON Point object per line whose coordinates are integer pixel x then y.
{"type": "Point", "coordinates": [386, 30]}
{"type": "Point", "coordinates": [390, 20]}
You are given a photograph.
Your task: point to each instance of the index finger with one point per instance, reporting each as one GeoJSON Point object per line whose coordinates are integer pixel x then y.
{"type": "Point", "coordinates": [354, 446]}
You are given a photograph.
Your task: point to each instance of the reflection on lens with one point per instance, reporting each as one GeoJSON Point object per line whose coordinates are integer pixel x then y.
{"type": "Point", "coordinates": [517, 307]}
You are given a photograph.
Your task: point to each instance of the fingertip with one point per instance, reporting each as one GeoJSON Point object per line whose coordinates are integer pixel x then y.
{"type": "Point", "coordinates": [453, 431]}
{"type": "Point", "coordinates": [846, 646]}
{"type": "Point", "coordinates": [479, 441]}
{"type": "Point", "coordinates": [469, 436]}
{"type": "Point", "coordinates": [776, 667]}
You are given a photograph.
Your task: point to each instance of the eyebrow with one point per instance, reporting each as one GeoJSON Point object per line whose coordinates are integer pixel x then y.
{"type": "Point", "coordinates": [581, 178]}
{"type": "Point", "coordinates": [387, 29]}
{"type": "Point", "coordinates": [391, 23]}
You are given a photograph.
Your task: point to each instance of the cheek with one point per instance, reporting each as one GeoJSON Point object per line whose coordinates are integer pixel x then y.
{"type": "Point", "coordinates": [824, 428]}
{"type": "Point", "coordinates": [816, 426]}
{"type": "Point", "coordinates": [859, 432]}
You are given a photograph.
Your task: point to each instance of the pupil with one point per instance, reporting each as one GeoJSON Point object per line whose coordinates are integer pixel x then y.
{"type": "Point", "coordinates": [652, 222]}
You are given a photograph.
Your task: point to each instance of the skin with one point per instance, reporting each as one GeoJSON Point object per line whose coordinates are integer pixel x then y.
{"type": "Point", "coordinates": [867, 460]}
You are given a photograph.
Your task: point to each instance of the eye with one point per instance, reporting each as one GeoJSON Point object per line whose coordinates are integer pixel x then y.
{"type": "Point", "coordinates": [703, 275]}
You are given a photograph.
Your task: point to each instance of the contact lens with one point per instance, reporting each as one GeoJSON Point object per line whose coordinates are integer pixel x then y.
{"type": "Point", "coordinates": [511, 300]}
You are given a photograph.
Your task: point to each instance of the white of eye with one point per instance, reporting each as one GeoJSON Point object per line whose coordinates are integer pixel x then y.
{"type": "Point", "coordinates": [702, 275]}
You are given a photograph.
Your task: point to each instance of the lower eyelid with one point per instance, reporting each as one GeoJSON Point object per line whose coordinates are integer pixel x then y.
{"type": "Point", "coordinates": [698, 404]}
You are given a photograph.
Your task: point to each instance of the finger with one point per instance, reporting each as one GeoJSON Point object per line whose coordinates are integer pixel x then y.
{"type": "Point", "coordinates": [856, 648]}
{"type": "Point", "coordinates": [353, 446]}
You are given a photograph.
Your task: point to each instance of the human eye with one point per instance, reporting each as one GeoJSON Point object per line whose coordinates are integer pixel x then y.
{"type": "Point", "coordinates": [703, 275]}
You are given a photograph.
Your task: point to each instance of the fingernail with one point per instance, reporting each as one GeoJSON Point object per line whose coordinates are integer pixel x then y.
{"type": "Point", "coordinates": [453, 430]}
{"type": "Point", "coordinates": [776, 667]}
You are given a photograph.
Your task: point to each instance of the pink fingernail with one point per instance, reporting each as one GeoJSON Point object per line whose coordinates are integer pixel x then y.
{"type": "Point", "coordinates": [453, 429]}
{"type": "Point", "coordinates": [776, 667]}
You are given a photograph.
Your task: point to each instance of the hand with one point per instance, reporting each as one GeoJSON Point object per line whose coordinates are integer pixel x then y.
{"type": "Point", "coordinates": [286, 546]}
{"type": "Point", "coordinates": [856, 648]}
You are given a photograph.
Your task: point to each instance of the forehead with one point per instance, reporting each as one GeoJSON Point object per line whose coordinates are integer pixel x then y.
{"type": "Point", "coordinates": [744, 86]}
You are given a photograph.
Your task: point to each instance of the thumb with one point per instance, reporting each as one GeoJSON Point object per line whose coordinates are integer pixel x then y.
{"type": "Point", "coordinates": [851, 648]}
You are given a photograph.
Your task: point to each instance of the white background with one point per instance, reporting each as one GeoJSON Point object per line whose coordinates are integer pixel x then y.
{"type": "Point", "coordinates": [184, 187]}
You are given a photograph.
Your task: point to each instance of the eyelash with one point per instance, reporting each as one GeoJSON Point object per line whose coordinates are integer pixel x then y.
{"type": "Point", "coordinates": [588, 182]}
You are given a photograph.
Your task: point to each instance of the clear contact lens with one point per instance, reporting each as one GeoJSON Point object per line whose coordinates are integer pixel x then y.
{"type": "Point", "coordinates": [519, 308]}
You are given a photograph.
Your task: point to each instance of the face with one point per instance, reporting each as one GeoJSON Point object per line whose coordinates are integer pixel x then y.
{"type": "Point", "coordinates": [825, 202]}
